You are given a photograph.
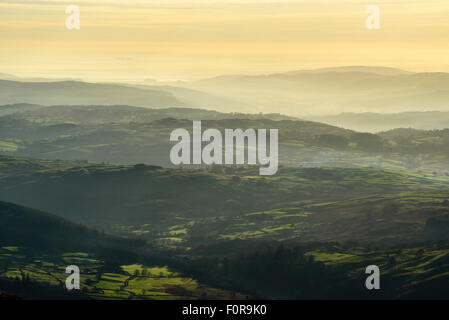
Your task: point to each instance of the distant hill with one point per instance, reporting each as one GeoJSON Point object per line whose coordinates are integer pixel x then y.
{"type": "Point", "coordinates": [82, 93]}
{"type": "Point", "coordinates": [407, 133]}
{"type": "Point", "coordinates": [200, 99]}
{"type": "Point", "coordinates": [299, 93]}
{"type": "Point", "coordinates": [375, 122]}
{"type": "Point", "coordinates": [333, 90]}
{"type": "Point", "coordinates": [18, 107]}
{"type": "Point", "coordinates": [183, 96]}
{"type": "Point", "coordinates": [6, 76]}
{"type": "Point", "coordinates": [127, 135]}
{"type": "Point", "coordinates": [90, 114]}
{"type": "Point", "coordinates": [133, 135]}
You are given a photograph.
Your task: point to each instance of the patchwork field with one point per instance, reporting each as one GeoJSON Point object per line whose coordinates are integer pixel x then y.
{"type": "Point", "coordinates": [129, 282]}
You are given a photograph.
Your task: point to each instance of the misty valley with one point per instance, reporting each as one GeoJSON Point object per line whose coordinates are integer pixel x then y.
{"type": "Point", "coordinates": [86, 179]}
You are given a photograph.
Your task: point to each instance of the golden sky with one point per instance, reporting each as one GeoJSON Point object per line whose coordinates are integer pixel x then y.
{"type": "Point", "coordinates": [190, 39]}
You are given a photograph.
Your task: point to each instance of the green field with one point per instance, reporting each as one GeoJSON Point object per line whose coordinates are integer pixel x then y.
{"type": "Point", "coordinates": [156, 282]}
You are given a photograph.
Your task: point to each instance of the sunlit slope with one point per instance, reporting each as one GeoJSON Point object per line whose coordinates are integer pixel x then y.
{"type": "Point", "coordinates": [226, 203]}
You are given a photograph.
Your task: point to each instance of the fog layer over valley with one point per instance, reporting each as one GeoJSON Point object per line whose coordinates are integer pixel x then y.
{"type": "Point", "coordinates": [86, 179]}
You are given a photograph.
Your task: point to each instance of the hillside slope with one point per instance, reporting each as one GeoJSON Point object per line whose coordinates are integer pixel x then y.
{"type": "Point", "coordinates": [333, 90]}
{"type": "Point", "coordinates": [82, 93]}
{"type": "Point", "coordinates": [44, 232]}
{"type": "Point", "coordinates": [187, 207]}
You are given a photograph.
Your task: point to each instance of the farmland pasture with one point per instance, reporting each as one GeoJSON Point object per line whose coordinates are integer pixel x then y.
{"type": "Point", "coordinates": [157, 282]}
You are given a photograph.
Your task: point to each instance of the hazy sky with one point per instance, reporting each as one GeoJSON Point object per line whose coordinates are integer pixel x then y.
{"type": "Point", "coordinates": [174, 39]}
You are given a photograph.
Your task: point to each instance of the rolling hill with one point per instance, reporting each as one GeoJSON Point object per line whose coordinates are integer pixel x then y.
{"type": "Point", "coordinates": [166, 205]}
{"type": "Point", "coordinates": [82, 93]}
{"type": "Point", "coordinates": [101, 114]}
{"type": "Point", "coordinates": [332, 90]}
{"type": "Point", "coordinates": [376, 122]}
{"type": "Point", "coordinates": [122, 134]}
